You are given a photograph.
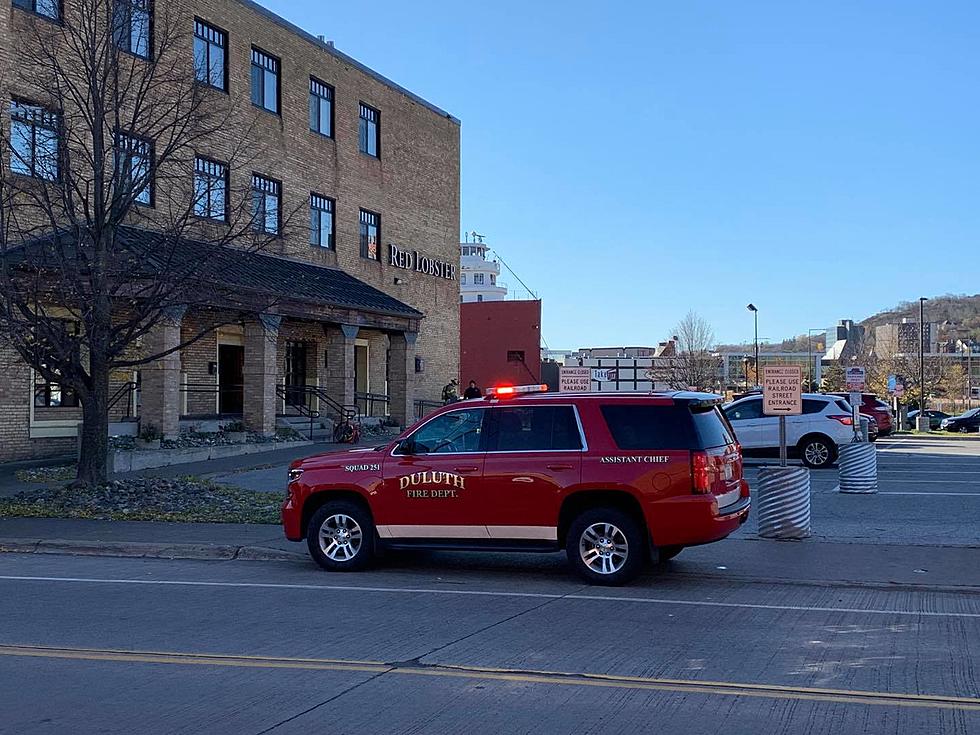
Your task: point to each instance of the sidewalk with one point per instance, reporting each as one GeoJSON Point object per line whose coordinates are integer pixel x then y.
{"type": "Point", "coordinates": [809, 562]}
{"type": "Point", "coordinates": [264, 472]}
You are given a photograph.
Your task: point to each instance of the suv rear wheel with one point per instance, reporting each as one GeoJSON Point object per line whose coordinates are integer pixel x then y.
{"type": "Point", "coordinates": [817, 451]}
{"type": "Point", "coordinates": [606, 546]}
{"type": "Point", "coordinates": [341, 536]}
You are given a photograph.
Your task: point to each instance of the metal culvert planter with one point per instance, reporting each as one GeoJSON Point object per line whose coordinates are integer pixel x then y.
{"type": "Point", "coordinates": [783, 502]}
{"type": "Point", "coordinates": [858, 463]}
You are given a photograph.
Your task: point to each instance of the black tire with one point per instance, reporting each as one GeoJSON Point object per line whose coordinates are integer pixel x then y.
{"type": "Point", "coordinates": [817, 451]}
{"type": "Point", "coordinates": [625, 534]}
{"type": "Point", "coordinates": [666, 553]}
{"type": "Point", "coordinates": [330, 557]}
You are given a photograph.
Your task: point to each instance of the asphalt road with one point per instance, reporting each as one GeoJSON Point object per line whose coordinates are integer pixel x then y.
{"type": "Point", "coordinates": [102, 645]}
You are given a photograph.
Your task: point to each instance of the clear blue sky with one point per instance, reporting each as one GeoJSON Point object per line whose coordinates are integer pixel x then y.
{"type": "Point", "coordinates": [633, 161]}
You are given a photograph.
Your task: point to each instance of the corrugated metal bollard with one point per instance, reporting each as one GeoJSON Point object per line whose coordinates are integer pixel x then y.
{"type": "Point", "coordinates": [783, 502]}
{"type": "Point", "coordinates": [858, 463]}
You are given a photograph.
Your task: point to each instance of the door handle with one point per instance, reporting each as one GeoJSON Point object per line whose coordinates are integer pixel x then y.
{"type": "Point", "coordinates": [466, 469]}
{"type": "Point", "coordinates": [522, 479]}
{"type": "Point", "coordinates": [559, 467]}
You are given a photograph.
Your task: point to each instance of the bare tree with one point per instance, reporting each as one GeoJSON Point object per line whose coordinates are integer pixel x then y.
{"type": "Point", "coordinates": [105, 152]}
{"type": "Point", "coordinates": [694, 365]}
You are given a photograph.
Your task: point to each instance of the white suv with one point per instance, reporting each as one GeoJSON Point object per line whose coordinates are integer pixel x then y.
{"type": "Point", "coordinates": [826, 422]}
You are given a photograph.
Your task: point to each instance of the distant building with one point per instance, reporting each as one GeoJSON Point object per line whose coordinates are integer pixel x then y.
{"type": "Point", "coordinates": [478, 277]}
{"type": "Point", "coordinates": [843, 341]}
{"type": "Point", "coordinates": [903, 338]}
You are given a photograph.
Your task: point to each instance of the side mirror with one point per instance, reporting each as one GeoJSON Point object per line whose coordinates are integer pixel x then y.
{"type": "Point", "coordinates": [406, 446]}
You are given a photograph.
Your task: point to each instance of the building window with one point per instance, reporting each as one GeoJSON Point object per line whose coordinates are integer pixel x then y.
{"type": "Point", "coordinates": [462, 279]}
{"type": "Point", "coordinates": [47, 8]}
{"type": "Point", "coordinates": [321, 107]}
{"type": "Point", "coordinates": [34, 146]}
{"type": "Point", "coordinates": [370, 235]}
{"type": "Point", "coordinates": [265, 81]}
{"type": "Point", "coordinates": [209, 55]}
{"type": "Point", "coordinates": [266, 200]}
{"type": "Point", "coordinates": [48, 394]}
{"type": "Point", "coordinates": [134, 164]}
{"type": "Point", "coordinates": [479, 297]}
{"type": "Point", "coordinates": [211, 189]}
{"type": "Point", "coordinates": [515, 355]}
{"type": "Point", "coordinates": [321, 221]}
{"type": "Point", "coordinates": [478, 279]}
{"type": "Point", "coordinates": [370, 131]}
{"type": "Point", "coordinates": [131, 26]}
{"type": "Point", "coordinates": [493, 279]}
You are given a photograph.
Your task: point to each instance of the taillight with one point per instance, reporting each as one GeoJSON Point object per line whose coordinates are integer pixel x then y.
{"type": "Point", "coordinates": [846, 420]}
{"type": "Point", "coordinates": [699, 468]}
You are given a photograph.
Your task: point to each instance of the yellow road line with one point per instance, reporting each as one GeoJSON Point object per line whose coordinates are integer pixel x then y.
{"type": "Point", "coordinates": [693, 686]}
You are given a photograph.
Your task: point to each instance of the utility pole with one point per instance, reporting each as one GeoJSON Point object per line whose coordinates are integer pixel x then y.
{"type": "Point", "coordinates": [755, 312]}
{"type": "Point", "coordinates": [921, 420]}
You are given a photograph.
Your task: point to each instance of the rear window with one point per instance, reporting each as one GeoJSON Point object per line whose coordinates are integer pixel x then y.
{"type": "Point", "coordinates": [843, 406]}
{"type": "Point", "coordinates": [813, 405]}
{"type": "Point", "coordinates": [636, 427]}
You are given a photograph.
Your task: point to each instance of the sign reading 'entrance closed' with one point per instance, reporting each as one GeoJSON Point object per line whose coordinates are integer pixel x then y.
{"type": "Point", "coordinates": [782, 390]}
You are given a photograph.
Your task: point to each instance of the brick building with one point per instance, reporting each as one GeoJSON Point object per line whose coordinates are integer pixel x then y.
{"type": "Point", "coordinates": [369, 308]}
{"type": "Point", "coordinates": [500, 342]}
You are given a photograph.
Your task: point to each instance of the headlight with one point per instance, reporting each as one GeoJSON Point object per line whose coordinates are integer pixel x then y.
{"type": "Point", "coordinates": [294, 475]}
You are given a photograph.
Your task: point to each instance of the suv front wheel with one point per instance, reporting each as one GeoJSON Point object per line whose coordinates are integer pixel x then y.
{"type": "Point", "coordinates": [817, 452]}
{"type": "Point", "coordinates": [606, 546]}
{"type": "Point", "coordinates": [341, 536]}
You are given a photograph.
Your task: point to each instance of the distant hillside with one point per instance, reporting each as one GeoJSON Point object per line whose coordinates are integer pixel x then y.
{"type": "Point", "coordinates": [962, 313]}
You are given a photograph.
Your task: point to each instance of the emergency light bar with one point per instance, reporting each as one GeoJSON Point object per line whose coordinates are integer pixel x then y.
{"type": "Point", "coordinates": [503, 391]}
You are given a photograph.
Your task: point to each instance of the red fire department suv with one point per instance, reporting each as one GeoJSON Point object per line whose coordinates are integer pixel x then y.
{"type": "Point", "coordinates": [614, 479]}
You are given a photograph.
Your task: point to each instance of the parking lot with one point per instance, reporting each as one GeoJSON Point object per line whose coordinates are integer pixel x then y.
{"type": "Point", "coordinates": [928, 493]}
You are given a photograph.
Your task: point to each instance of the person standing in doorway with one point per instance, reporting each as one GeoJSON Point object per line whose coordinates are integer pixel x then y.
{"type": "Point", "coordinates": [472, 391]}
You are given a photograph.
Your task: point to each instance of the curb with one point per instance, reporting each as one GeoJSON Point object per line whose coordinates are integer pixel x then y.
{"type": "Point", "coordinates": [143, 550]}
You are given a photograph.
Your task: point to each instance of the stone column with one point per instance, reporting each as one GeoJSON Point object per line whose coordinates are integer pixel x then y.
{"type": "Point", "coordinates": [377, 365]}
{"type": "Point", "coordinates": [160, 380]}
{"type": "Point", "coordinates": [261, 350]}
{"type": "Point", "coordinates": [339, 372]}
{"type": "Point", "coordinates": [401, 377]}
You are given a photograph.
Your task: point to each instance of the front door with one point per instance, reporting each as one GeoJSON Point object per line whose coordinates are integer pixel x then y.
{"type": "Point", "coordinates": [433, 482]}
{"type": "Point", "coordinates": [534, 456]}
{"type": "Point", "coordinates": [295, 373]}
{"type": "Point", "coordinates": [231, 379]}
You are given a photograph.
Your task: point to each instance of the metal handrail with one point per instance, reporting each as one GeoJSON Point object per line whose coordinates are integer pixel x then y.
{"type": "Point", "coordinates": [422, 407]}
{"type": "Point", "coordinates": [126, 389]}
{"type": "Point", "coordinates": [369, 399]}
{"type": "Point", "coordinates": [286, 394]}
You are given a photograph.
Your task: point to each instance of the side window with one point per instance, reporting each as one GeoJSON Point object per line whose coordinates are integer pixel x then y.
{"type": "Point", "coordinates": [813, 405]}
{"type": "Point", "coordinates": [744, 410]}
{"type": "Point", "coordinates": [534, 428]}
{"type": "Point", "coordinates": [636, 426]}
{"type": "Point", "coordinates": [451, 433]}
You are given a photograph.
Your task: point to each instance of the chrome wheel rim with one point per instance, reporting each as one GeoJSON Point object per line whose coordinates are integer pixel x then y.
{"type": "Point", "coordinates": [603, 548]}
{"type": "Point", "coordinates": [816, 453]}
{"type": "Point", "coordinates": [340, 537]}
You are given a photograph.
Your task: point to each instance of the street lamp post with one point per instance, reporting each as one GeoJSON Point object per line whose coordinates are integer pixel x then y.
{"type": "Point", "coordinates": [755, 312]}
{"type": "Point", "coordinates": [809, 356]}
{"type": "Point", "coordinates": [921, 420]}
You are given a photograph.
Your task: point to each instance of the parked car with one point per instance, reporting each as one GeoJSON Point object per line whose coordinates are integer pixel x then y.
{"type": "Point", "coordinates": [610, 478]}
{"type": "Point", "coordinates": [827, 421]}
{"type": "Point", "coordinates": [935, 418]}
{"type": "Point", "coordinates": [873, 406]}
{"type": "Point", "coordinates": [966, 421]}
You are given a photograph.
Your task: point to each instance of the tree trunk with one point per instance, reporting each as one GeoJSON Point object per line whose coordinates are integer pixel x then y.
{"type": "Point", "coordinates": [92, 461]}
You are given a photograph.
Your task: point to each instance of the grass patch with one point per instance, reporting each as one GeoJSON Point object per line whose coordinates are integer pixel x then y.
{"type": "Point", "coordinates": [58, 473]}
{"type": "Point", "coordinates": [183, 500]}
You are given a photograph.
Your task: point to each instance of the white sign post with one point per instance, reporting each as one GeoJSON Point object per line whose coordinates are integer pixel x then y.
{"type": "Point", "coordinates": [782, 395]}
{"type": "Point", "coordinates": [855, 380]}
{"type": "Point", "coordinates": [574, 379]}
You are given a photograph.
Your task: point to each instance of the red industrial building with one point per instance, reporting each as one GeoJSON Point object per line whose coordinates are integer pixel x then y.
{"type": "Point", "coordinates": [500, 342]}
